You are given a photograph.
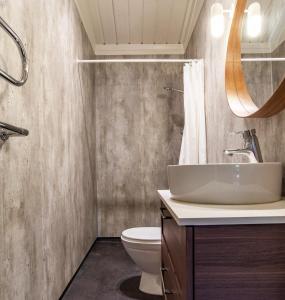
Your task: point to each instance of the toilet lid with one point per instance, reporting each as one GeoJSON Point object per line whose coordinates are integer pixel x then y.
{"type": "Point", "coordinates": [143, 233]}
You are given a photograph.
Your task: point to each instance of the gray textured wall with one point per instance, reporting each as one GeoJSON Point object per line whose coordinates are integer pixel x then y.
{"type": "Point", "coordinates": [258, 77]}
{"type": "Point", "coordinates": [278, 67]}
{"type": "Point", "coordinates": [219, 118]}
{"type": "Point", "coordinates": [138, 134]}
{"type": "Point", "coordinates": [47, 180]}
{"type": "Point", "coordinates": [263, 78]}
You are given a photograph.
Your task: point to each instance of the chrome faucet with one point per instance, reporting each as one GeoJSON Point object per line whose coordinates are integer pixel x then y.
{"type": "Point", "coordinates": [251, 147]}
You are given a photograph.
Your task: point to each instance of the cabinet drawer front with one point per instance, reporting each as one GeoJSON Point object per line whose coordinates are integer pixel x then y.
{"type": "Point", "coordinates": [170, 283]}
{"type": "Point", "coordinates": [175, 240]}
{"type": "Point", "coordinates": [240, 262]}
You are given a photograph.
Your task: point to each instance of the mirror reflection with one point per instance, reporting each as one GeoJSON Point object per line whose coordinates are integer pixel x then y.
{"type": "Point", "coordinates": [263, 48]}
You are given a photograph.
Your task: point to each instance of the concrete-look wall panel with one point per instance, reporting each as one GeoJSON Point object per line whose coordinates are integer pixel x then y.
{"type": "Point", "coordinates": [47, 180]}
{"type": "Point", "coordinates": [138, 134]}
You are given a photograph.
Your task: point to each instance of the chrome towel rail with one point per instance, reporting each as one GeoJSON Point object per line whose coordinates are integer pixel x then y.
{"type": "Point", "coordinates": [7, 130]}
{"type": "Point", "coordinates": [23, 54]}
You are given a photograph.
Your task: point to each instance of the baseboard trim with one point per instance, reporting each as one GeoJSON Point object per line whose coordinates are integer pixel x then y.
{"type": "Point", "coordinates": [108, 239]}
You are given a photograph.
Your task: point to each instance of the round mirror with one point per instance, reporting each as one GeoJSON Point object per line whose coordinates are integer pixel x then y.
{"type": "Point", "coordinates": [255, 67]}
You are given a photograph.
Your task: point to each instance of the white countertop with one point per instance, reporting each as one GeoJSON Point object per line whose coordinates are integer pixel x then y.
{"type": "Point", "coordinates": [188, 214]}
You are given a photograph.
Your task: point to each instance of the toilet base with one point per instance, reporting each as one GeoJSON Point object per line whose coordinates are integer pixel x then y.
{"type": "Point", "coordinates": [151, 284]}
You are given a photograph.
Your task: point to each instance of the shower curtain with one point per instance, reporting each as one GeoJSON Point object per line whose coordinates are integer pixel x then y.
{"type": "Point", "coordinates": [193, 147]}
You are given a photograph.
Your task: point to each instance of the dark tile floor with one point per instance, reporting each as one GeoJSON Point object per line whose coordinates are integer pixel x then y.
{"type": "Point", "coordinates": [107, 274]}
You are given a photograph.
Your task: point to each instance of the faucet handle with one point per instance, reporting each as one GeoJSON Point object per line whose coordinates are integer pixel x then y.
{"type": "Point", "coordinates": [253, 131]}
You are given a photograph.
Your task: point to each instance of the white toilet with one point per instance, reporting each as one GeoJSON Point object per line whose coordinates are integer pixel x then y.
{"type": "Point", "coordinates": [143, 244]}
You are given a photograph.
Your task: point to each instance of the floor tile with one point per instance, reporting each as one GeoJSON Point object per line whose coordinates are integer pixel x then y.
{"type": "Point", "coordinates": [108, 273]}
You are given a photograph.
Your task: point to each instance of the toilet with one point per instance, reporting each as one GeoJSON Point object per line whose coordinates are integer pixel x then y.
{"type": "Point", "coordinates": [143, 244]}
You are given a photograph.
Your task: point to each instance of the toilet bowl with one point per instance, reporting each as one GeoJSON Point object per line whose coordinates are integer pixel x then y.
{"type": "Point", "coordinates": [143, 244]}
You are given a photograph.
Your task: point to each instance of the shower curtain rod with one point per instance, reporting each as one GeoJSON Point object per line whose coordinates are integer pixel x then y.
{"type": "Point", "coordinates": [263, 59]}
{"type": "Point", "coordinates": [140, 60]}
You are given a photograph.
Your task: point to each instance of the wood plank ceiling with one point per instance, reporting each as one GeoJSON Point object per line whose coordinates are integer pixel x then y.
{"type": "Point", "coordinates": [139, 27]}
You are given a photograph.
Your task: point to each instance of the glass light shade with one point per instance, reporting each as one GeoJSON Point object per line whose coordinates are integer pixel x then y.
{"type": "Point", "coordinates": [217, 20]}
{"type": "Point", "coordinates": [253, 25]}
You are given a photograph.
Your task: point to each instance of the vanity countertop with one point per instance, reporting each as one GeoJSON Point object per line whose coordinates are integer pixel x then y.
{"type": "Point", "coordinates": [190, 214]}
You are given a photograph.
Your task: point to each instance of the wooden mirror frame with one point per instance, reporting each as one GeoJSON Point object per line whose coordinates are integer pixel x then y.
{"type": "Point", "coordinates": [239, 98]}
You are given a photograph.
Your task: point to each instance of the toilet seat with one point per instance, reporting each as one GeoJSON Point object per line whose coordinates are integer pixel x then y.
{"type": "Point", "coordinates": [146, 235]}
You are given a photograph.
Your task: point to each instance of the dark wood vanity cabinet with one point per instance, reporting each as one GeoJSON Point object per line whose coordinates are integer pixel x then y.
{"type": "Point", "coordinates": [177, 258]}
{"type": "Point", "coordinates": [229, 262]}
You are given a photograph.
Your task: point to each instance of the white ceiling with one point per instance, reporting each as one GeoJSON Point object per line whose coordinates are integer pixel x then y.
{"type": "Point", "coordinates": [139, 27]}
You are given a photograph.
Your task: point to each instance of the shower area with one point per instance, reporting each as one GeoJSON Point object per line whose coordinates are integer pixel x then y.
{"type": "Point", "coordinates": [140, 106]}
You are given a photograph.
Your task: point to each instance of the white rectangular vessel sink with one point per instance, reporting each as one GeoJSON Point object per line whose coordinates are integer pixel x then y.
{"type": "Point", "coordinates": [241, 183]}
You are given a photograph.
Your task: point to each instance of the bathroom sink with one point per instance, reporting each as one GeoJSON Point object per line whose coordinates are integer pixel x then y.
{"type": "Point", "coordinates": [242, 183]}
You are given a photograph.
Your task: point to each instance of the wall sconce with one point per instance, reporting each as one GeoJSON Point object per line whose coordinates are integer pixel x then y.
{"type": "Point", "coordinates": [253, 23]}
{"type": "Point", "coordinates": [217, 20]}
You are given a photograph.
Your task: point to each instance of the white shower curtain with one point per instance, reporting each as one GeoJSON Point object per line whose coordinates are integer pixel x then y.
{"type": "Point", "coordinates": [193, 147]}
